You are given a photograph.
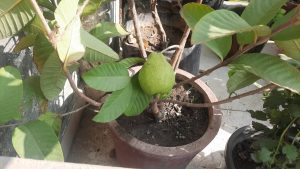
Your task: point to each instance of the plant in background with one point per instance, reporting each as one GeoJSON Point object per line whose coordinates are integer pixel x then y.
{"type": "Point", "coordinates": [278, 144]}
{"type": "Point", "coordinates": [59, 43]}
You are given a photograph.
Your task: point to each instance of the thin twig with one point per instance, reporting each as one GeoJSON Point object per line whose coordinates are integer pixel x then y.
{"type": "Point", "coordinates": [230, 99]}
{"type": "Point", "coordinates": [74, 111]}
{"type": "Point", "coordinates": [137, 29]}
{"type": "Point", "coordinates": [80, 94]}
{"type": "Point", "coordinates": [42, 18]}
{"type": "Point", "coordinates": [153, 4]}
{"type": "Point", "coordinates": [240, 52]}
{"type": "Point", "coordinates": [13, 124]}
{"type": "Point", "coordinates": [81, 8]}
{"type": "Point", "coordinates": [178, 53]}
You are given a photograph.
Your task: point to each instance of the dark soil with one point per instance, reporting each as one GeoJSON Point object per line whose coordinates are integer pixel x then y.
{"type": "Point", "coordinates": [242, 156]}
{"type": "Point", "coordinates": [179, 125]}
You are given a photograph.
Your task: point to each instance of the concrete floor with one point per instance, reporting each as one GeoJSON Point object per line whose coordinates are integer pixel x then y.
{"type": "Point", "coordinates": [93, 143]}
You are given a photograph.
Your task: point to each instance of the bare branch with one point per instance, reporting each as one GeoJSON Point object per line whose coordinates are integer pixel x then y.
{"type": "Point", "coordinates": [80, 94]}
{"type": "Point", "coordinates": [242, 51]}
{"type": "Point", "coordinates": [158, 21]}
{"type": "Point", "coordinates": [178, 53]}
{"type": "Point", "coordinates": [230, 99]}
{"type": "Point", "coordinates": [74, 111]}
{"type": "Point", "coordinates": [39, 13]}
{"type": "Point", "coordinates": [137, 28]}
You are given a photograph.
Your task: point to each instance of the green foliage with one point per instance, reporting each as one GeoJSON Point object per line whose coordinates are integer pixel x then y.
{"type": "Point", "coordinates": [11, 94]}
{"type": "Point", "coordinates": [219, 24]}
{"type": "Point", "coordinates": [62, 16]}
{"type": "Point", "coordinates": [53, 120]}
{"type": "Point", "coordinates": [115, 105]}
{"type": "Point", "coordinates": [25, 42]}
{"type": "Point", "coordinates": [260, 12]}
{"type": "Point", "coordinates": [129, 62]}
{"type": "Point", "coordinates": [52, 77]}
{"type": "Point", "coordinates": [278, 146]}
{"type": "Point", "coordinates": [193, 12]}
{"type": "Point", "coordinates": [42, 49]}
{"type": "Point", "coordinates": [138, 100]}
{"type": "Point", "coordinates": [291, 48]}
{"type": "Point", "coordinates": [239, 78]}
{"type": "Point", "coordinates": [270, 68]}
{"type": "Point", "coordinates": [14, 15]}
{"type": "Point", "coordinates": [69, 47]}
{"type": "Point", "coordinates": [220, 46]}
{"type": "Point", "coordinates": [107, 77]}
{"type": "Point", "coordinates": [37, 140]}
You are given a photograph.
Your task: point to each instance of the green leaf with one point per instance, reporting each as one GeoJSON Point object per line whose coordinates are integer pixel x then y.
{"type": "Point", "coordinates": [94, 56]}
{"type": "Point", "coordinates": [219, 24]}
{"type": "Point", "coordinates": [270, 68]}
{"type": "Point", "coordinates": [259, 126]}
{"type": "Point", "coordinates": [106, 30]}
{"type": "Point", "coordinates": [115, 105]}
{"type": "Point", "coordinates": [65, 12]}
{"type": "Point", "coordinates": [69, 46]}
{"type": "Point", "coordinates": [220, 46]}
{"type": "Point", "coordinates": [42, 49]}
{"type": "Point", "coordinates": [274, 99]}
{"type": "Point", "coordinates": [269, 143]}
{"type": "Point", "coordinates": [246, 38]}
{"type": "Point", "coordinates": [32, 89]}
{"type": "Point", "coordinates": [138, 100]}
{"type": "Point", "coordinates": [92, 42]}
{"type": "Point", "coordinates": [291, 48]}
{"type": "Point", "coordinates": [53, 120]}
{"type": "Point", "coordinates": [258, 115]}
{"type": "Point", "coordinates": [92, 6]}
{"type": "Point", "coordinates": [107, 77]}
{"type": "Point", "coordinates": [261, 12]}
{"type": "Point", "coordinates": [292, 32]}
{"type": "Point", "coordinates": [240, 79]}
{"type": "Point", "coordinates": [25, 42]}
{"type": "Point", "coordinates": [290, 151]}
{"type": "Point", "coordinates": [129, 62]}
{"type": "Point", "coordinates": [264, 155]}
{"type": "Point", "coordinates": [37, 140]}
{"type": "Point", "coordinates": [11, 94]}
{"type": "Point", "coordinates": [52, 77]}
{"type": "Point", "coordinates": [193, 12]}
{"type": "Point", "coordinates": [14, 15]}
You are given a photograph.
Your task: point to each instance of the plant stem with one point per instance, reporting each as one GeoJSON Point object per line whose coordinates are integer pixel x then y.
{"type": "Point", "coordinates": [230, 99]}
{"type": "Point", "coordinates": [153, 4]}
{"type": "Point", "coordinates": [155, 109]}
{"type": "Point", "coordinates": [74, 111]}
{"type": "Point", "coordinates": [39, 13]}
{"type": "Point", "coordinates": [178, 53]}
{"type": "Point", "coordinates": [137, 29]}
{"type": "Point", "coordinates": [80, 94]}
{"type": "Point", "coordinates": [281, 139]}
{"type": "Point", "coordinates": [227, 61]}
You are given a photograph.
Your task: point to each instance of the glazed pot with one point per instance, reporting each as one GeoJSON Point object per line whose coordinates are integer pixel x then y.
{"type": "Point", "coordinates": [131, 152]}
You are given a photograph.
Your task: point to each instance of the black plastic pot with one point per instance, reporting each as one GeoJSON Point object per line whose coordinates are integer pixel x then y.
{"type": "Point", "coordinates": [237, 137]}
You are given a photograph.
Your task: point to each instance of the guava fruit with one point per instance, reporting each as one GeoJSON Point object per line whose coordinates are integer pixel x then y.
{"type": "Point", "coordinates": [156, 76]}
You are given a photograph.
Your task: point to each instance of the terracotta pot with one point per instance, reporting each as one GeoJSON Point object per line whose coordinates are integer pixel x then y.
{"type": "Point", "coordinates": [131, 152]}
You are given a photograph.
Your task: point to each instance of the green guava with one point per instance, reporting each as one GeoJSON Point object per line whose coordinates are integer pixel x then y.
{"type": "Point", "coordinates": [157, 76]}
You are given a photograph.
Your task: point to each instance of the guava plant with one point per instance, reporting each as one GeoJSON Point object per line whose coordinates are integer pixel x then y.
{"type": "Point", "coordinates": [53, 29]}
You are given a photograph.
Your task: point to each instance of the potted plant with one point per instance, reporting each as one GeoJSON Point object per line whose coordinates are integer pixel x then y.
{"type": "Point", "coordinates": [275, 145]}
{"type": "Point", "coordinates": [147, 91]}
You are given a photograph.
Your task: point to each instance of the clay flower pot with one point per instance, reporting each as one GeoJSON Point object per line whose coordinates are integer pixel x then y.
{"type": "Point", "coordinates": [131, 152]}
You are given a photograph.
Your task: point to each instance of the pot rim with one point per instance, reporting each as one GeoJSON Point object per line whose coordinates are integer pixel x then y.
{"type": "Point", "coordinates": [214, 124]}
